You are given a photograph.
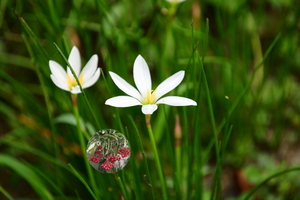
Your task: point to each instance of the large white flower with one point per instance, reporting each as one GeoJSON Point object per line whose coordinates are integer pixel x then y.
{"type": "Point", "coordinates": [65, 79]}
{"type": "Point", "coordinates": [145, 96]}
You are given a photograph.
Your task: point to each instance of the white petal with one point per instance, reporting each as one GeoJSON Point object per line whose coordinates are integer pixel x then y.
{"type": "Point", "coordinates": [169, 84]}
{"type": "Point", "coordinates": [61, 84]}
{"type": "Point", "coordinates": [90, 67]}
{"type": "Point", "coordinates": [76, 90]}
{"type": "Point", "coordinates": [57, 70]}
{"type": "Point", "coordinates": [91, 80]}
{"type": "Point", "coordinates": [177, 101]}
{"type": "Point", "coordinates": [122, 101]}
{"type": "Point", "coordinates": [149, 109]}
{"type": "Point", "coordinates": [141, 75]}
{"type": "Point", "coordinates": [125, 87]}
{"type": "Point", "coordinates": [74, 60]}
{"type": "Point", "coordinates": [69, 73]}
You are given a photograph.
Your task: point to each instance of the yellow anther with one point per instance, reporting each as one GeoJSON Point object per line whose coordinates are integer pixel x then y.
{"type": "Point", "coordinates": [150, 97]}
{"type": "Point", "coordinates": [72, 81]}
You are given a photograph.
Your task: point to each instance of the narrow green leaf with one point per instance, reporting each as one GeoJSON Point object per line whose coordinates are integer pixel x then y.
{"type": "Point", "coordinates": [268, 179]}
{"type": "Point", "coordinates": [30, 176]}
{"type": "Point", "coordinates": [25, 147]}
{"type": "Point", "coordinates": [83, 181]}
{"type": "Point", "coordinates": [134, 170]}
{"type": "Point", "coordinates": [5, 193]}
{"type": "Point", "coordinates": [242, 94]}
{"type": "Point", "coordinates": [48, 179]}
{"type": "Point", "coordinates": [123, 189]}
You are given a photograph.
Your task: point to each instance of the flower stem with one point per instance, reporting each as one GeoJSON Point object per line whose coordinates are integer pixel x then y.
{"type": "Point", "coordinates": [82, 143]}
{"type": "Point", "coordinates": [148, 176]}
{"type": "Point", "coordinates": [157, 162]}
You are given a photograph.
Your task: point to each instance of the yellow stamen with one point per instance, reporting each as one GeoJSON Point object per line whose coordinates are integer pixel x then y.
{"type": "Point", "coordinates": [72, 81]}
{"type": "Point", "coordinates": [150, 97]}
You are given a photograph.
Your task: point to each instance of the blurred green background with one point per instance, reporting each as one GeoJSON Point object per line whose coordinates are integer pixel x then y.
{"type": "Point", "coordinates": [37, 133]}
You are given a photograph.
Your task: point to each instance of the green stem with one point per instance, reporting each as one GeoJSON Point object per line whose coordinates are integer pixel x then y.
{"type": "Point", "coordinates": [175, 161]}
{"type": "Point", "coordinates": [215, 133]}
{"type": "Point", "coordinates": [92, 111]}
{"type": "Point", "coordinates": [217, 176]}
{"type": "Point", "coordinates": [148, 176]}
{"type": "Point", "coordinates": [123, 189]}
{"type": "Point", "coordinates": [136, 182]}
{"type": "Point", "coordinates": [157, 162]}
{"type": "Point", "coordinates": [82, 143]}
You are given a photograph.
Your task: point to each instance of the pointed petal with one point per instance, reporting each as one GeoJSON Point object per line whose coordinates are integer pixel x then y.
{"type": "Point", "coordinates": [149, 109]}
{"type": "Point", "coordinates": [57, 70]}
{"type": "Point", "coordinates": [169, 84]}
{"type": "Point", "coordinates": [74, 60]}
{"type": "Point", "coordinates": [125, 87]}
{"type": "Point", "coordinates": [177, 101]}
{"type": "Point", "coordinates": [76, 90]}
{"type": "Point", "coordinates": [141, 75]}
{"type": "Point", "coordinates": [90, 67]}
{"type": "Point", "coordinates": [59, 83]}
{"type": "Point", "coordinates": [122, 101]}
{"type": "Point", "coordinates": [91, 80]}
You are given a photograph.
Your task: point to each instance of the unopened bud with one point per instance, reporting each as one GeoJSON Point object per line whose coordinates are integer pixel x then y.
{"type": "Point", "coordinates": [177, 131]}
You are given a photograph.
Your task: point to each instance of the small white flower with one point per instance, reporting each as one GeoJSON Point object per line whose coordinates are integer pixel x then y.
{"type": "Point", "coordinates": [65, 79]}
{"type": "Point", "coordinates": [145, 96]}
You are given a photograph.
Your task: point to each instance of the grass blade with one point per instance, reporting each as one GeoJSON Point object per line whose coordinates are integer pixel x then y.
{"type": "Point", "coordinates": [29, 175]}
{"type": "Point", "coordinates": [5, 193]}
{"type": "Point", "coordinates": [268, 179]}
{"type": "Point", "coordinates": [82, 181]}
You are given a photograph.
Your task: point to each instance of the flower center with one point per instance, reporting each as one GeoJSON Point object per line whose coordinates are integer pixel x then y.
{"type": "Point", "coordinates": [150, 97]}
{"type": "Point", "coordinates": [72, 81]}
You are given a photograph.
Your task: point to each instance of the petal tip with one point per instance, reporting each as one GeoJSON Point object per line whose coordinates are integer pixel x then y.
{"type": "Point", "coordinates": [181, 73]}
{"type": "Point", "coordinates": [74, 51]}
{"type": "Point", "coordinates": [74, 48]}
{"type": "Point", "coordinates": [52, 62]}
{"type": "Point", "coordinates": [95, 56]}
{"type": "Point", "coordinates": [139, 58]}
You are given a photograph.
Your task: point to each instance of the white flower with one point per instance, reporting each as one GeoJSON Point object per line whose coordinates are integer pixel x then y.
{"type": "Point", "coordinates": [65, 79]}
{"type": "Point", "coordinates": [145, 96]}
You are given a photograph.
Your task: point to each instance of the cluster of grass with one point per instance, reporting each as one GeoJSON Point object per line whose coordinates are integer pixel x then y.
{"type": "Point", "coordinates": [241, 62]}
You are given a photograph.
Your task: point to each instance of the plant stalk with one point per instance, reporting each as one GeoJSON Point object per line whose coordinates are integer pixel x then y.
{"type": "Point", "coordinates": [82, 143]}
{"type": "Point", "coordinates": [156, 157]}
